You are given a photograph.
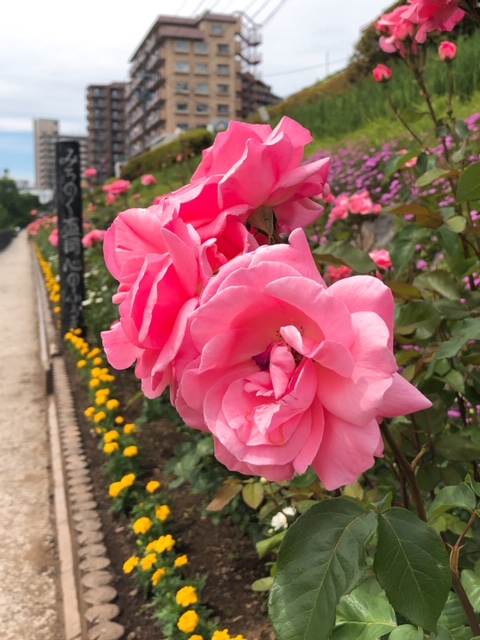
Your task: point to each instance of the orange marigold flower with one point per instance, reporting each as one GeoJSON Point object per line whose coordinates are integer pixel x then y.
{"type": "Point", "coordinates": [188, 622]}
{"type": "Point", "coordinates": [186, 596]}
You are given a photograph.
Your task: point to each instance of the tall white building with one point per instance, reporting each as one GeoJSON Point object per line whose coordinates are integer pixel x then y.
{"type": "Point", "coordinates": [46, 134]}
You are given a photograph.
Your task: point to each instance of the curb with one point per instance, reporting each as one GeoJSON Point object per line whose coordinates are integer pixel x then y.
{"type": "Point", "coordinates": [85, 578]}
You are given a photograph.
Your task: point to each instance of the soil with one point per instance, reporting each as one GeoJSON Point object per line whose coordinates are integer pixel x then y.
{"type": "Point", "coordinates": [209, 546]}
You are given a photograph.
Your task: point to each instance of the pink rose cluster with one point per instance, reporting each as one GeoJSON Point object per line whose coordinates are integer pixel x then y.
{"type": "Point", "coordinates": [257, 350]}
{"type": "Point", "coordinates": [358, 203]}
{"type": "Point", "coordinates": [411, 23]}
{"type": "Point", "coordinates": [115, 189]}
{"type": "Point", "coordinates": [92, 237]}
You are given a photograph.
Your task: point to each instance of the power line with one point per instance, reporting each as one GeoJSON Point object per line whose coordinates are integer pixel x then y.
{"type": "Point", "coordinates": [196, 10]}
{"type": "Point", "coordinates": [265, 4]}
{"type": "Point", "coordinates": [272, 13]}
{"type": "Point", "coordinates": [317, 66]}
{"type": "Point", "coordinates": [183, 5]}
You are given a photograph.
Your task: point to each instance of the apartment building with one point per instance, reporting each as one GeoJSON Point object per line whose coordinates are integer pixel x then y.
{"type": "Point", "coordinates": [255, 94]}
{"type": "Point", "coordinates": [46, 134]}
{"type": "Point", "coordinates": [106, 127]}
{"type": "Point", "coordinates": [185, 74]}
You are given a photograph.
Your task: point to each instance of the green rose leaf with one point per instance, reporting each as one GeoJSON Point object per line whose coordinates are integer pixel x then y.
{"type": "Point", "coordinates": [406, 632]}
{"type": "Point", "coordinates": [343, 253]}
{"type": "Point", "coordinates": [469, 183]}
{"type": "Point", "coordinates": [403, 247]}
{"type": "Point", "coordinates": [412, 565]}
{"type": "Point", "coordinates": [434, 174]}
{"type": "Point", "coordinates": [453, 616]}
{"type": "Point", "coordinates": [253, 494]}
{"type": "Point", "coordinates": [457, 447]}
{"type": "Point", "coordinates": [440, 281]}
{"type": "Point", "coordinates": [471, 583]}
{"type": "Point", "coordinates": [459, 496]}
{"type": "Point", "coordinates": [321, 559]}
{"type": "Point", "coordinates": [417, 317]}
{"type": "Point", "coordinates": [364, 614]}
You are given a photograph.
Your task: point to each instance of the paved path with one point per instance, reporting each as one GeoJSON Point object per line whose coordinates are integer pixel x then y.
{"type": "Point", "coordinates": [29, 595]}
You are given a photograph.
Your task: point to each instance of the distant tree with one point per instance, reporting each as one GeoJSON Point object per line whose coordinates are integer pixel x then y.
{"type": "Point", "coordinates": [15, 207]}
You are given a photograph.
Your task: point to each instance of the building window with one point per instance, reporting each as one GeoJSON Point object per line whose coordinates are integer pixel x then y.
{"type": "Point", "coordinates": [201, 47]}
{"type": "Point", "coordinates": [183, 126]}
{"type": "Point", "coordinates": [223, 69]}
{"type": "Point", "coordinates": [223, 49]}
{"type": "Point", "coordinates": [182, 87]}
{"type": "Point", "coordinates": [182, 107]}
{"type": "Point", "coordinates": [201, 67]}
{"type": "Point", "coordinates": [115, 93]}
{"type": "Point", "coordinates": [201, 107]}
{"type": "Point", "coordinates": [202, 87]}
{"type": "Point", "coordinates": [223, 109]}
{"type": "Point", "coordinates": [182, 46]}
{"type": "Point", "coordinates": [182, 67]}
{"type": "Point", "coordinates": [224, 89]}
{"type": "Point", "coordinates": [216, 29]}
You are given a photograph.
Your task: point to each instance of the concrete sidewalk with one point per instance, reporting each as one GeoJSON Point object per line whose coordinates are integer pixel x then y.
{"type": "Point", "coordinates": [56, 582]}
{"type": "Point", "coordinates": [30, 594]}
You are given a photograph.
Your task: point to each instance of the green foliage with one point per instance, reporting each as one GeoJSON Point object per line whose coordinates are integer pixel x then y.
{"type": "Point", "coordinates": [15, 207]}
{"type": "Point", "coordinates": [182, 149]}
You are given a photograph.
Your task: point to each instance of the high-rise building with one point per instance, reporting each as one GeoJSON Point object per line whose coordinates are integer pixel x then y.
{"type": "Point", "coordinates": [46, 133]}
{"type": "Point", "coordinates": [106, 127]}
{"type": "Point", "coordinates": [186, 74]}
{"type": "Point", "coordinates": [255, 94]}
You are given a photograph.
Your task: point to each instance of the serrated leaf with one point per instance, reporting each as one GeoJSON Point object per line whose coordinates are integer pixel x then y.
{"type": "Point", "coordinates": [224, 496]}
{"type": "Point", "coordinates": [263, 584]}
{"type": "Point", "coordinates": [343, 253]}
{"type": "Point", "coordinates": [457, 496]}
{"type": "Point", "coordinates": [322, 558]}
{"type": "Point", "coordinates": [471, 583]}
{"type": "Point", "coordinates": [268, 545]}
{"type": "Point", "coordinates": [253, 494]}
{"type": "Point", "coordinates": [440, 281]}
{"type": "Point", "coordinates": [469, 183]}
{"type": "Point", "coordinates": [412, 565]}
{"type": "Point", "coordinates": [456, 224]}
{"type": "Point", "coordinates": [406, 632]}
{"type": "Point", "coordinates": [364, 614]}
{"type": "Point", "coordinates": [434, 174]}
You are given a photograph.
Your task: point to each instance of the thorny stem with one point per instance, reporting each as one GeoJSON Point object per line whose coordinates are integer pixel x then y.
{"type": "Point", "coordinates": [406, 467]}
{"type": "Point", "coordinates": [457, 585]}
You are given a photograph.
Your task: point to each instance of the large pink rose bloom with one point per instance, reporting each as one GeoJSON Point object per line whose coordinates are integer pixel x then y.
{"type": "Point", "coordinates": [162, 266]}
{"type": "Point", "coordinates": [258, 166]}
{"type": "Point", "coordinates": [433, 15]}
{"type": "Point", "coordinates": [290, 373]}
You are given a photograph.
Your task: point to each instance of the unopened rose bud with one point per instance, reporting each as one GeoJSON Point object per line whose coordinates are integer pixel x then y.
{"type": "Point", "coordinates": [382, 73]}
{"type": "Point", "coordinates": [447, 51]}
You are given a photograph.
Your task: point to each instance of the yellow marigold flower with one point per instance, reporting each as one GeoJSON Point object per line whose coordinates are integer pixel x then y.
{"type": "Point", "coordinates": [181, 561]}
{"type": "Point", "coordinates": [113, 404]}
{"type": "Point", "coordinates": [151, 546]}
{"type": "Point", "coordinates": [186, 596]}
{"type": "Point", "coordinates": [96, 372]}
{"type": "Point", "coordinates": [152, 486]}
{"type": "Point", "coordinates": [111, 435]}
{"type": "Point", "coordinates": [148, 561]}
{"type": "Point", "coordinates": [77, 332]}
{"type": "Point", "coordinates": [119, 420]}
{"type": "Point", "coordinates": [94, 382]}
{"type": "Point", "coordinates": [188, 621]}
{"type": "Point", "coordinates": [89, 411]}
{"type": "Point", "coordinates": [81, 364]}
{"type": "Point", "coordinates": [142, 525]}
{"type": "Point", "coordinates": [239, 637]}
{"type": "Point", "coordinates": [94, 352]}
{"type": "Point", "coordinates": [105, 391]}
{"type": "Point", "coordinates": [128, 480]}
{"type": "Point", "coordinates": [159, 573]}
{"type": "Point", "coordinates": [221, 635]}
{"type": "Point", "coordinates": [99, 430]}
{"type": "Point", "coordinates": [106, 377]}
{"type": "Point", "coordinates": [100, 399]}
{"type": "Point", "coordinates": [98, 417]}
{"type": "Point", "coordinates": [131, 451]}
{"type": "Point", "coordinates": [130, 564]}
{"type": "Point", "coordinates": [97, 361]}
{"type": "Point", "coordinates": [196, 637]}
{"type": "Point", "coordinates": [110, 447]}
{"type": "Point", "coordinates": [162, 512]}
{"type": "Point", "coordinates": [57, 309]}
{"type": "Point", "coordinates": [163, 543]}
{"type": "Point", "coordinates": [115, 489]}
{"type": "Point", "coordinates": [129, 427]}
{"type": "Point", "coordinates": [68, 335]}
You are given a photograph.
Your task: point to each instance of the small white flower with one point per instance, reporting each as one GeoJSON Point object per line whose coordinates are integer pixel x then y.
{"type": "Point", "coordinates": [280, 521]}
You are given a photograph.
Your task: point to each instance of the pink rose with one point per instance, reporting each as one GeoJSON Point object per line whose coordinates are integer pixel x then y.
{"type": "Point", "coordinates": [360, 202]}
{"type": "Point", "coordinates": [334, 274]}
{"type": "Point", "coordinates": [381, 257]}
{"type": "Point", "coordinates": [447, 51]}
{"type": "Point", "coordinates": [278, 355]}
{"type": "Point", "coordinates": [397, 28]}
{"type": "Point", "coordinates": [33, 212]}
{"type": "Point", "coordinates": [117, 188]}
{"type": "Point", "coordinates": [91, 207]}
{"type": "Point", "coordinates": [433, 15]}
{"type": "Point", "coordinates": [96, 235]}
{"type": "Point", "coordinates": [381, 73]}
{"type": "Point", "coordinates": [282, 183]}
{"type": "Point", "coordinates": [148, 179]}
{"type": "Point", "coordinates": [90, 172]}
{"type": "Point", "coordinates": [53, 238]}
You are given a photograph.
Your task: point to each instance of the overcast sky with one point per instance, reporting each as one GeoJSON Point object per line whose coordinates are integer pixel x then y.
{"type": "Point", "coordinates": [51, 50]}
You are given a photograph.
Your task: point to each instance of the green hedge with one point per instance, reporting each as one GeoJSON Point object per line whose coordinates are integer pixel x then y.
{"type": "Point", "coordinates": [189, 144]}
